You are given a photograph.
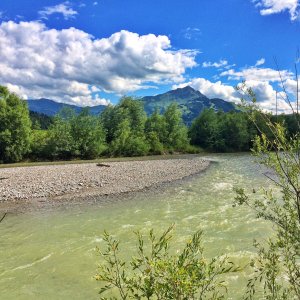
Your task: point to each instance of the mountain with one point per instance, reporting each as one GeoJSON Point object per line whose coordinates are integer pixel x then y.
{"type": "Point", "coordinates": [50, 108]}
{"type": "Point", "coordinates": [190, 101]}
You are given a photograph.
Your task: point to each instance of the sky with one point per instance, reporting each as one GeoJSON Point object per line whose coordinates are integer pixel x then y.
{"type": "Point", "coordinates": [93, 52]}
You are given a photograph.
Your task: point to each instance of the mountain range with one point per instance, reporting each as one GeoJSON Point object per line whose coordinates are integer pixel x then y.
{"type": "Point", "coordinates": [50, 107]}
{"type": "Point", "coordinates": [190, 102]}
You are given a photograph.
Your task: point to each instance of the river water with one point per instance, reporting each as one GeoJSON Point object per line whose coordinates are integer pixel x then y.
{"type": "Point", "coordinates": [51, 255]}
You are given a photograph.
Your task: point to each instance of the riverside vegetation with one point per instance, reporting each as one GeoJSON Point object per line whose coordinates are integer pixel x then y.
{"type": "Point", "coordinates": [121, 130]}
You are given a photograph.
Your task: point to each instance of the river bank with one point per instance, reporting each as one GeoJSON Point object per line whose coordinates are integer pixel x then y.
{"type": "Point", "coordinates": [37, 186]}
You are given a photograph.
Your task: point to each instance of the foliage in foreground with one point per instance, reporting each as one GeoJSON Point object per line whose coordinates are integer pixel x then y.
{"type": "Point", "coordinates": [155, 273]}
{"type": "Point", "coordinates": [278, 264]}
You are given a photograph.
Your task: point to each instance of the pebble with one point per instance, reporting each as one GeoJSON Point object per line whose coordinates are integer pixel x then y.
{"type": "Point", "coordinates": [72, 179]}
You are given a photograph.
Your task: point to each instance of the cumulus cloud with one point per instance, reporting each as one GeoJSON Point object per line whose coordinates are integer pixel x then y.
{"type": "Point", "coordinates": [219, 64]}
{"type": "Point", "coordinates": [266, 97]}
{"type": "Point", "coordinates": [262, 82]}
{"type": "Point", "coordinates": [269, 7]}
{"type": "Point", "coordinates": [64, 8]}
{"type": "Point", "coordinates": [69, 64]}
{"type": "Point", "coordinates": [212, 89]}
{"type": "Point", "coordinates": [264, 92]}
{"type": "Point", "coordinates": [257, 74]}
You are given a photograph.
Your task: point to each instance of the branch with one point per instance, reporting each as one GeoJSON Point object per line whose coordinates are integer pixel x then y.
{"type": "Point", "coordinates": [3, 217]}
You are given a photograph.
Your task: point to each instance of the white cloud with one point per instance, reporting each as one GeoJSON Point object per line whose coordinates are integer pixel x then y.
{"type": "Point", "coordinates": [269, 7]}
{"type": "Point", "coordinates": [260, 62]}
{"type": "Point", "coordinates": [64, 8]}
{"type": "Point", "coordinates": [68, 64]}
{"type": "Point", "coordinates": [219, 64]}
{"type": "Point", "coordinates": [264, 92]}
{"type": "Point", "coordinates": [95, 3]}
{"type": "Point", "coordinates": [266, 97]}
{"type": "Point", "coordinates": [262, 82]}
{"type": "Point", "coordinates": [257, 74]}
{"type": "Point", "coordinates": [212, 89]}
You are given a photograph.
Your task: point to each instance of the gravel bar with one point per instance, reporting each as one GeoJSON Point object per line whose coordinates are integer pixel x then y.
{"type": "Point", "coordinates": [63, 182]}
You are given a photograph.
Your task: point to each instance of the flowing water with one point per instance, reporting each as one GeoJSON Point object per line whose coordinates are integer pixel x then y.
{"type": "Point", "coordinates": [51, 255]}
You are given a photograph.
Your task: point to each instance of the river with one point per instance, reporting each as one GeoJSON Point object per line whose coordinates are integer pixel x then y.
{"type": "Point", "coordinates": [51, 254]}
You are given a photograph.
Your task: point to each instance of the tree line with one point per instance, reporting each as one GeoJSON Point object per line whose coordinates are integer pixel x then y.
{"type": "Point", "coordinates": [120, 130]}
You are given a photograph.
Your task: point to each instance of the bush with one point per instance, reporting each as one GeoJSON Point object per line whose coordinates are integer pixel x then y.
{"type": "Point", "coordinates": [277, 266]}
{"type": "Point", "coordinates": [155, 273]}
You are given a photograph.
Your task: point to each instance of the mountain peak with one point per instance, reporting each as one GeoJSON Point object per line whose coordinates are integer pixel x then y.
{"type": "Point", "coordinates": [187, 92]}
{"type": "Point", "coordinates": [187, 88]}
{"type": "Point", "coordinates": [190, 101]}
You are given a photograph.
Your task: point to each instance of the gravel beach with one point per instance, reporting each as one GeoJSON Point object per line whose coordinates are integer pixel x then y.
{"type": "Point", "coordinates": [55, 183]}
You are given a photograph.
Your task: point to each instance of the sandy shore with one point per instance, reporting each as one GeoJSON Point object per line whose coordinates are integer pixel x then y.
{"type": "Point", "coordinates": [64, 183]}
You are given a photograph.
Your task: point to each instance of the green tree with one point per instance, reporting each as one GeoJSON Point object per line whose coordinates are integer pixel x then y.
{"type": "Point", "coordinates": [73, 135]}
{"type": "Point", "coordinates": [111, 117]}
{"type": "Point", "coordinates": [125, 127]}
{"type": "Point", "coordinates": [15, 127]}
{"type": "Point", "coordinates": [60, 143]}
{"type": "Point", "coordinates": [88, 135]}
{"type": "Point", "coordinates": [40, 121]}
{"type": "Point", "coordinates": [206, 131]}
{"type": "Point", "coordinates": [177, 132]}
{"type": "Point", "coordinates": [126, 143]}
{"type": "Point", "coordinates": [39, 142]}
{"type": "Point", "coordinates": [235, 131]}
{"type": "Point", "coordinates": [156, 132]}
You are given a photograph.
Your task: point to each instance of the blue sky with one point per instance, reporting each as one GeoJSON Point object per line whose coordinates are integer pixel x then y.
{"type": "Point", "coordinates": [92, 52]}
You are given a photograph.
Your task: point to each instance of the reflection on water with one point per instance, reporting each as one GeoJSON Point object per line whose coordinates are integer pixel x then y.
{"type": "Point", "coordinates": [52, 255]}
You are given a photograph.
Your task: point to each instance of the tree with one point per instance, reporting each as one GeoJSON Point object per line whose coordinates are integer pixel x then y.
{"type": "Point", "coordinates": [15, 127]}
{"type": "Point", "coordinates": [177, 133]}
{"type": "Point", "coordinates": [60, 143]}
{"type": "Point", "coordinates": [73, 135]}
{"type": "Point", "coordinates": [88, 135]}
{"type": "Point", "coordinates": [235, 131]}
{"type": "Point", "coordinates": [125, 127]}
{"type": "Point", "coordinates": [40, 120]}
{"type": "Point", "coordinates": [277, 265]}
{"type": "Point", "coordinates": [156, 132]}
{"type": "Point", "coordinates": [39, 143]}
{"type": "Point", "coordinates": [207, 132]}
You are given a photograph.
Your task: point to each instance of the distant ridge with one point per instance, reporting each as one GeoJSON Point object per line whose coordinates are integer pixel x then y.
{"type": "Point", "coordinates": [51, 107]}
{"type": "Point", "coordinates": [190, 101]}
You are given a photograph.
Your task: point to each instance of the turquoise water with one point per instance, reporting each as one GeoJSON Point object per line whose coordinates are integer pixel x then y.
{"type": "Point", "coordinates": [51, 255]}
